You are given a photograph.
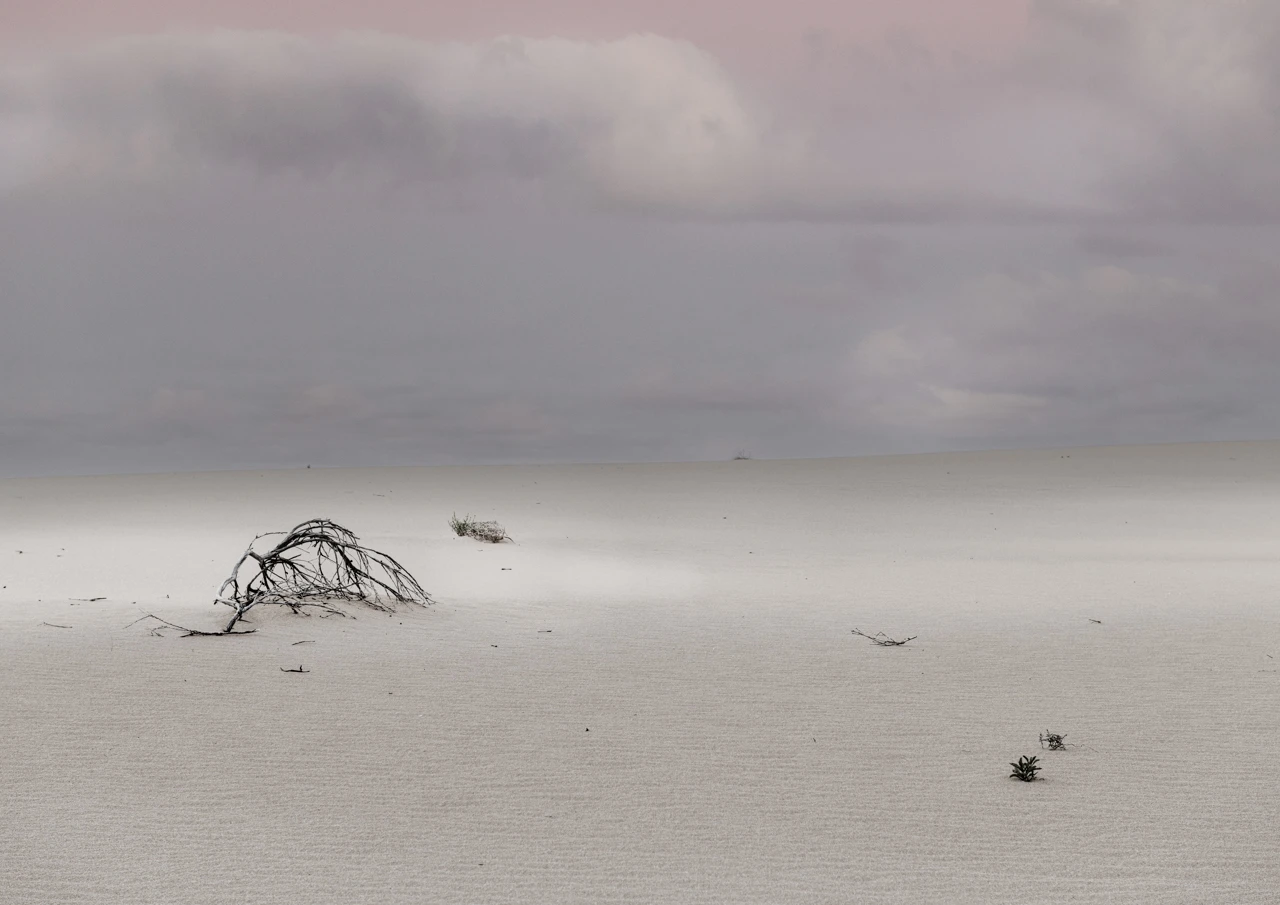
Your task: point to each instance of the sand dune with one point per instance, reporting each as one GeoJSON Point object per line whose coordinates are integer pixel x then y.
{"type": "Point", "coordinates": [653, 695]}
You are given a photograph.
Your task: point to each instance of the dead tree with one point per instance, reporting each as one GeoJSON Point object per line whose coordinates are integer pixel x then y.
{"type": "Point", "coordinates": [315, 564]}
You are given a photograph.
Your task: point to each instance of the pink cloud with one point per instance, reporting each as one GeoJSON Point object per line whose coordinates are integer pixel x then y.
{"type": "Point", "coordinates": [728, 28]}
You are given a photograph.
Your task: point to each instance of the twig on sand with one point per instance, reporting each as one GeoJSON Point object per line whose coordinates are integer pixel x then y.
{"type": "Point", "coordinates": [296, 643]}
{"type": "Point", "coordinates": [299, 669]}
{"type": "Point", "coordinates": [1094, 621]}
{"type": "Point", "coordinates": [158, 630]}
{"type": "Point", "coordinates": [884, 640]}
{"type": "Point", "coordinates": [88, 599]}
{"type": "Point", "coordinates": [1056, 742]}
{"type": "Point", "coordinates": [52, 625]}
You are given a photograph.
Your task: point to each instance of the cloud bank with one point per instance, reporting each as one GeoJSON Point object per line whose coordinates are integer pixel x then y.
{"type": "Point", "coordinates": [1157, 109]}
{"type": "Point", "coordinates": [643, 121]}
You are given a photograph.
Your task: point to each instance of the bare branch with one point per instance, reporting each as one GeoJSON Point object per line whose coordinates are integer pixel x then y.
{"type": "Point", "coordinates": [884, 640]}
{"type": "Point", "coordinates": [158, 630]}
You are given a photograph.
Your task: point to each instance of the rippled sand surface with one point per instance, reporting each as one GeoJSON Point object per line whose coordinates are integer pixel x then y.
{"type": "Point", "coordinates": [654, 694]}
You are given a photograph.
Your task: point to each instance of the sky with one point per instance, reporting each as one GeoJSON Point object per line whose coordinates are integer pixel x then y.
{"type": "Point", "coordinates": [244, 235]}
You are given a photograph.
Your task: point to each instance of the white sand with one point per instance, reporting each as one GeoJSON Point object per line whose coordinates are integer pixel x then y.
{"type": "Point", "coordinates": [743, 745]}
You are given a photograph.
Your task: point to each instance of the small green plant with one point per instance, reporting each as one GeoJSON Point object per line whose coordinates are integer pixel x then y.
{"type": "Point", "coordinates": [1025, 769]}
{"type": "Point", "coordinates": [467, 526]}
{"type": "Point", "coordinates": [1053, 741]}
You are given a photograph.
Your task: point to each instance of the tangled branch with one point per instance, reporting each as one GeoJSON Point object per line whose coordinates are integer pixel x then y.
{"type": "Point", "coordinates": [491, 532]}
{"type": "Point", "coordinates": [1055, 741]}
{"type": "Point", "coordinates": [315, 563]}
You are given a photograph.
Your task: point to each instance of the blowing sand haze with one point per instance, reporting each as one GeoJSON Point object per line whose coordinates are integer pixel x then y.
{"type": "Point", "coordinates": [656, 695]}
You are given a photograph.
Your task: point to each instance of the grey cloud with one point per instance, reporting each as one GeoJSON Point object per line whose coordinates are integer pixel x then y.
{"type": "Point", "coordinates": [643, 121]}
{"type": "Point", "coordinates": [1114, 245]}
{"type": "Point", "coordinates": [642, 124]}
{"type": "Point", "coordinates": [1050, 355]}
{"type": "Point", "coordinates": [1191, 95]}
{"type": "Point", "coordinates": [276, 104]}
{"type": "Point", "coordinates": [1138, 111]}
{"type": "Point", "coordinates": [247, 328]}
